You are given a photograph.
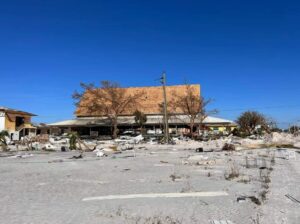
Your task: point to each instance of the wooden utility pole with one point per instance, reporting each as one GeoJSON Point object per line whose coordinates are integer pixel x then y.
{"type": "Point", "coordinates": [166, 124]}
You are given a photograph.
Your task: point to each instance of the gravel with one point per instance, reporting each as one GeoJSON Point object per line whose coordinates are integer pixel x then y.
{"type": "Point", "coordinates": [51, 188]}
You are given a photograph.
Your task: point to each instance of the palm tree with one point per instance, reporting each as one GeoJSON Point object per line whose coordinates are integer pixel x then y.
{"type": "Point", "coordinates": [3, 142]}
{"type": "Point", "coordinates": [73, 137]}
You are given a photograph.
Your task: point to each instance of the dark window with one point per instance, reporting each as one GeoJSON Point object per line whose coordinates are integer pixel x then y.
{"type": "Point", "coordinates": [19, 121]}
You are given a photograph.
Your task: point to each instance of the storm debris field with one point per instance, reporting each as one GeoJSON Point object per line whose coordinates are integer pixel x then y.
{"type": "Point", "coordinates": [151, 184]}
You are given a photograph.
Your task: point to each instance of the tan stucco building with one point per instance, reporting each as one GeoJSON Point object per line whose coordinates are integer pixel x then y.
{"type": "Point", "coordinates": [16, 122]}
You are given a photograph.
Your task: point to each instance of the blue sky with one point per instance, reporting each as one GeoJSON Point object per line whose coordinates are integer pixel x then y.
{"type": "Point", "coordinates": [245, 54]}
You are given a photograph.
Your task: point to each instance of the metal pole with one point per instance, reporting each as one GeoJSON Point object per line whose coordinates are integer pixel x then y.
{"type": "Point", "coordinates": [163, 81]}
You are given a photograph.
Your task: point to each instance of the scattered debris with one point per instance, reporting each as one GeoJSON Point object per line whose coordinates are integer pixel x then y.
{"type": "Point", "coordinates": [77, 157]}
{"type": "Point", "coordinates": [228, 147]}
{"type": "Point", "coordinates": [233, 172]}
{"type": "Point", "coordinates": [241, 199]}
{"type": "Point", "coordinates": [56, 161]}
{"type": "Point", "coordinates": [110, 149]}
{"type": "Point", "coordinates": [49, 147]}
{"type": "Point", "coordinates": [258, 163]}
{"type": "Point", "coordinates": [292, 198]}
{"type": "Point", "coordinates": [199, 150]}
{"type": "Point", "coordinates": [175, 177]}
{"type": "Point", "coordinates": [253, 199]}
{"type": "Point", "coordinates": [164, 161]}
{"type": "Point", "coordinates": [263, 195]}
{"type": "Point", "coordinates": [127, 169]}
{"type": "Point", "coordinates": [22, 156]}
{"type": "Point", "coordinates": [244, 179]}
{"type": "Point", "coordinates": [100, 154]}
{"type": "Point", "coordinates": [126, 146]}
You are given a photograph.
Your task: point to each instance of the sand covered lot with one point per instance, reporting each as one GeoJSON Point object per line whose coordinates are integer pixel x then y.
{"type": "Point", "coordinates": [151, 185]}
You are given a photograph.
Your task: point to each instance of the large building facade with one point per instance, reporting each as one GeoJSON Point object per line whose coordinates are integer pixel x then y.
{"type": "Point", "coordinates": [87, 123]}
{"type": "Point", "coordinates": [149, 103]}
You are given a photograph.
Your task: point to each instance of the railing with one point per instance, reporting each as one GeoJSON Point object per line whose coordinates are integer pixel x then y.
{"type": "Point", "coordinates": [25, 125]}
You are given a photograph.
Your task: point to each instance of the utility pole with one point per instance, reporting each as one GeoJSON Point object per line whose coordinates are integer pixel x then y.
{"type": "Point", "coordinates": [166, 124]}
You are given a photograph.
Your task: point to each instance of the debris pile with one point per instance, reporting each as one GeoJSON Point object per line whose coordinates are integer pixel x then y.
{"type": "Point", "coordinates": [124, 143]}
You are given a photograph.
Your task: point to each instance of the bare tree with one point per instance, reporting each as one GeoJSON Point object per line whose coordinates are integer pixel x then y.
{"type": "Point", "coordinates": [272, 125]}
{"type": "Point", "coordinates": [294, 129]}
{"type": "Point", "coordinates": [193, 106]}
{"type": "Point", "coordinates": [108, 100]}
{"type": "Point", "coordinates": [249, 121]}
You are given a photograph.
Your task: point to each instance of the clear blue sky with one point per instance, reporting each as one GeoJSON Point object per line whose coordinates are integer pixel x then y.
{"type": "Point", "coordinates": [245, 54]}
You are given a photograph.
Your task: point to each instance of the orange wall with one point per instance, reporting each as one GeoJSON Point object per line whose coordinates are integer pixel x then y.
{"type": "Point", "coordinates": [9, 125]}
{"type": "Point", "coordinates": [10, 120]}
{"type": "Point", "coordinates": [149, 103]}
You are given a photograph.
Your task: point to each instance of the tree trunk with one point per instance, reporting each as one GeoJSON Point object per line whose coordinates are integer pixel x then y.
{"type": "Point", "coordinates": [199, 128]}
{"type": "Point", "coordinates": [192, 129]}
{"type": "Point", "coordinates": [115, 129]}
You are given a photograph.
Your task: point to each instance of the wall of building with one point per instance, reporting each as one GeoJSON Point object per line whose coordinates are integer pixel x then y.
{"type": "Point", "coordinates": [10, 123]}
{"type": "Point", "coordinates": [148, 103]}
{"type": "Point", "coordinates": [2, 121]}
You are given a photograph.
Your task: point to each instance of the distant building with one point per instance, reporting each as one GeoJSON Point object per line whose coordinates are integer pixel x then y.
{"type": "Point", "coordinates": [95, 124]}
{"type": "Point", "coordinates": [178, 125]}
{"type": "Point", "coordinates": [16, 122]}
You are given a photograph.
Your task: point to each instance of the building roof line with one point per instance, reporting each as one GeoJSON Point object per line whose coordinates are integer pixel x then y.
{"type": "Point", "coordinates": [6, 109]}
{"type": "Point", "coordinates": [126, 120]}
{"type": "Point", "coordinates": [158, 86]}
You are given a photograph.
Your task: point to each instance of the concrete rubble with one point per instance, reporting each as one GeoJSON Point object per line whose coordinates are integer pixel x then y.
{"type": "Point", "coordinates": [61, 143]}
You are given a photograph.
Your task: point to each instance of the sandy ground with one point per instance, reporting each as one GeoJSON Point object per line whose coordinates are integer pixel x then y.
{"type": "Point", "coordinates": [131, 187]}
